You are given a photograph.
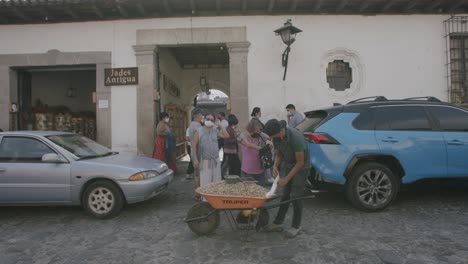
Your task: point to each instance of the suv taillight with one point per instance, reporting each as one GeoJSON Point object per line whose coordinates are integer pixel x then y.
{"type": "Point", "coordinates": [320, 138]}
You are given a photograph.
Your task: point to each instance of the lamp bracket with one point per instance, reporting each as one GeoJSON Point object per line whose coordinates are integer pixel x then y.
{"type": "Point", "coordinates": [284, 60]}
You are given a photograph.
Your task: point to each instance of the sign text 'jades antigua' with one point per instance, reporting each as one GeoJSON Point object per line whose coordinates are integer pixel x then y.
{"type": "Point", "coordinates": [120, 76]}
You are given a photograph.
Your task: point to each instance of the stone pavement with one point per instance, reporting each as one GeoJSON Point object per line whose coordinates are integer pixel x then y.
{"type": "Point", "coordinates": [423, 226]}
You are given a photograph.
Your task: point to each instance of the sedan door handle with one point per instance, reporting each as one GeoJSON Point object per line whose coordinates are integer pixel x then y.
{"type": "Point", "coordinates": [2, 169]}
{"type": "Point", "coordinates": [455, 142]}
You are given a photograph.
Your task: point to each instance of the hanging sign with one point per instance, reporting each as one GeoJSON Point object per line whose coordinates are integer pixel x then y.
{"type": "Point", "coordinates": [120, 76]}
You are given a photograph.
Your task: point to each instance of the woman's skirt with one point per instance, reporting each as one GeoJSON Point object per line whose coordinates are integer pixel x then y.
{"type": "Point", "coordinates": [210, 171]}
{"type": "Point", "coordinates": [159, 151]}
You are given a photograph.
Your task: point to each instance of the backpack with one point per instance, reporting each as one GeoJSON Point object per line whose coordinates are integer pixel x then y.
{"type": "Point", "coordinates": [266, 157]}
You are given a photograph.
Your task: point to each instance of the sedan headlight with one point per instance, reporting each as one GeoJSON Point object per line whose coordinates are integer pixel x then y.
{"type": "Point", "coordinates": [144, 175]}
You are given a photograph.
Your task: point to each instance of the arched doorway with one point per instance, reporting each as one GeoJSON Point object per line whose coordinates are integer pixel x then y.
{"type": "Point", "coordinates": [214, 101]}
{"type": "Point", "coordinates": [151, 45]}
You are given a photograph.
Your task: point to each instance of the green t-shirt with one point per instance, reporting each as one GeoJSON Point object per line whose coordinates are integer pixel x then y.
{"type": "Point", "coordinates": [295, 142]}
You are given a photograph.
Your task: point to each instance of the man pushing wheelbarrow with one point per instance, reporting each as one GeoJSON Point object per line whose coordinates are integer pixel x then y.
{"type": "Point", "coordinates": [290, 169]}
{"type": "Point", "coordinates": [292, 164]}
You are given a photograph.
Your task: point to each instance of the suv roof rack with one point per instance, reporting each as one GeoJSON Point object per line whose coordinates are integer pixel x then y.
{"type": "Point", "coordinates": [428, 98]}
{"type": "Point", "coordinates": [365, 99]}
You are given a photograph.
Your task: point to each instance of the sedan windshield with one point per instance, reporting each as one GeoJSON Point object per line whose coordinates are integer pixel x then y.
{"type": "Point", "coordinates": [82, 147]}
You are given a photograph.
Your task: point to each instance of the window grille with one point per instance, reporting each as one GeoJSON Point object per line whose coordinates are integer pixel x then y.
{"type": "Point", "coordinates": [456, 29]}
{"type": "Point", "coordinates": [339, 75]}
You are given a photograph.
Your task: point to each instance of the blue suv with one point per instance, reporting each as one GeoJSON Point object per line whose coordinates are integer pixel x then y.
{"type": "Point", "coordinates": [373, 145]}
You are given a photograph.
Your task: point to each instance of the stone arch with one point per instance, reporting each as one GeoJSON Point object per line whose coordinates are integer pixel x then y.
{"type": "Point", "coordinates": [217, 85]}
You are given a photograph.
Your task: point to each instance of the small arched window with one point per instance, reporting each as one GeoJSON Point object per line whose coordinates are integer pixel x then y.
{"type": "Point", "coordinates": [339, 75]}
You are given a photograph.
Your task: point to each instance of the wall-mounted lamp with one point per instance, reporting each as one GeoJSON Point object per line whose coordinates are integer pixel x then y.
{"type": "Point", "coordinates": [204, 85]}
{"type": "Point", "coordinates": [71, 92]}
{"type": "Point", "coordinates": [288, 35]}
{"type": "Point", "coordinates": [202, 81]}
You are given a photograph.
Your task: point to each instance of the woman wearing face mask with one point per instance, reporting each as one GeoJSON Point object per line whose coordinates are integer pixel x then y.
{"type": "Point", "coordinates": [164, 146]}
{"type": "Point", "coordinates": [231, 162]}
{"type": "Point", "coordinates": [256, 114]}
{"type": "Point", "coordinates": [205, 152]}
{"type": "Point", "coordinates": [251, 143]}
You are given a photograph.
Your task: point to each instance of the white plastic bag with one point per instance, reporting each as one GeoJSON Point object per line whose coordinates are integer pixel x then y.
{"type": "Point", "coordinates": [272, 191]}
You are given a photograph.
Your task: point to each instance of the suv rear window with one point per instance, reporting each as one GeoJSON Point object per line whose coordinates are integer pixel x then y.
{"type": "Point", "coordinates": [364, 121]}
{"type": "Point", "coordinates": [402, 118]}
{"type": "Point", "coordinates": [311, 121]}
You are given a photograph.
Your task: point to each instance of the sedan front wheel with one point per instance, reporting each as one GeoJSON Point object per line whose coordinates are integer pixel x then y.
{"type": "Point", "coordinates": [103, 199]}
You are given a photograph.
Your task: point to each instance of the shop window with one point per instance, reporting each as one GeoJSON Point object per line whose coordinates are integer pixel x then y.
{"type": "Point", "coordinates": [339, 75]}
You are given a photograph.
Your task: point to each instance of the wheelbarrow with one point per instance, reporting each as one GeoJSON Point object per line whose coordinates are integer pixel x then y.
{"type": "Point", "coordinates": [204, 217]}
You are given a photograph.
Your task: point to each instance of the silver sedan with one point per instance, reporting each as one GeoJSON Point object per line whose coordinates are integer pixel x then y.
{"type": "Point", "coordinates": [44, 168]}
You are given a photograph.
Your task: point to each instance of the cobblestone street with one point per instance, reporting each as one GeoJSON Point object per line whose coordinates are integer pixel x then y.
{"type": "Point", "coordinates": [423, 226]}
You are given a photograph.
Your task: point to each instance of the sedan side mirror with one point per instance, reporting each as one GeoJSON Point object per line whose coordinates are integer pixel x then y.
{"type": "Point", "coordinates": [52, 158]}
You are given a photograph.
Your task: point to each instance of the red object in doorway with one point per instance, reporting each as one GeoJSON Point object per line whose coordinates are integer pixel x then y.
{"type": "Point", "coordinates": [159, 152]}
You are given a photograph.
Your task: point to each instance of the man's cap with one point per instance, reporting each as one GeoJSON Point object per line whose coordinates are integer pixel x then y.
{"type": "Point", "coordinates": [272, 127]}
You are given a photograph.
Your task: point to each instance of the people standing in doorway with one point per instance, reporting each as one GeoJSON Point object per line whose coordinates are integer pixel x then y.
{"type": "Point", "coordinates": [205, 151]}
{"type": "Point", "coordinates": [231, 163]}
{"type": "Point", "coordinates": [164, 146]}
{"type": "Point", "coordinates": [256, 114]}
{"type": "Point", "coordinates": [197, 117]}
{"type": "Point", "coordinates": [292, 166]}
{"type": "Point", "coordinates": [294, 117]}
{"type": "Point", "coordinates": [251, 143]}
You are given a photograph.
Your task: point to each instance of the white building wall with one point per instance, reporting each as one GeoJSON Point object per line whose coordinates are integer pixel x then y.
{"type": "Point", "coordinates": [401, 56]}
{"type": "Point", "coordinates": [171, 69]}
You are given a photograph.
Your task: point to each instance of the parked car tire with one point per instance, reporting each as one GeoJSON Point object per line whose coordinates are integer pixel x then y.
{"type": "Point", "coordinates": [372, 187]}
{"type": "Point", "coordinates": [103, 199]}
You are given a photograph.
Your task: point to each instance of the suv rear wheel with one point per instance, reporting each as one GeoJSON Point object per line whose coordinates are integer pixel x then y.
{"type": "Point", "coordinates": [372, 187]}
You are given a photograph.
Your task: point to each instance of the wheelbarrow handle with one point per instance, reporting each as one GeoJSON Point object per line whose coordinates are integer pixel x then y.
{"type": "Point", "coordinates": [287, 201]}
{"type": "Point", "coordinates": [201, 217]}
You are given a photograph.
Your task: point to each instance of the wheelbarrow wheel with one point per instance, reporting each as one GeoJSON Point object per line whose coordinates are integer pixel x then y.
{"type": "Point", "coordinates": [206, 225]}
